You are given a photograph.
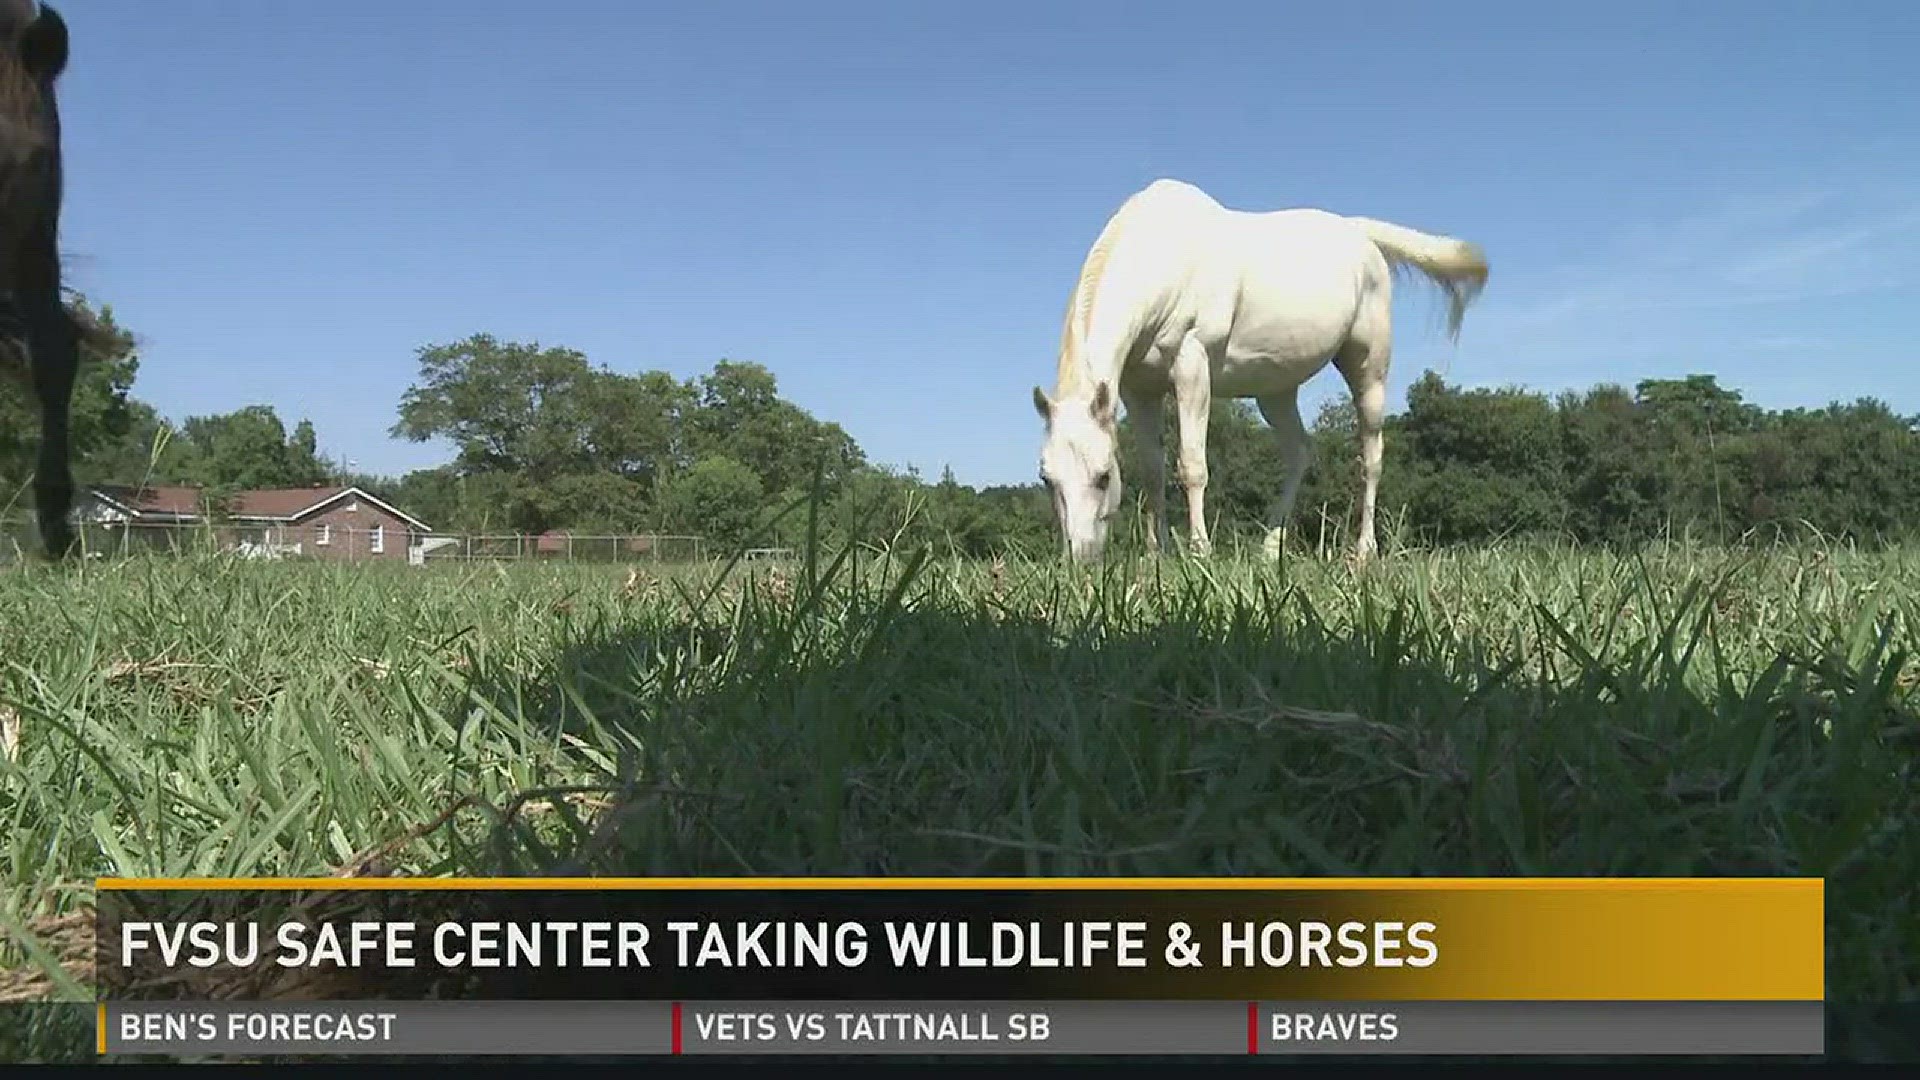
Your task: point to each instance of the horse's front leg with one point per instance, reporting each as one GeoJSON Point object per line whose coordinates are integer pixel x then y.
{"type": "Point", "coordinates": [52, 341]}
{"type": "Point", "coordinates": [1193, 390]}
{"type": "Point", "coordinates": [1148, 413]}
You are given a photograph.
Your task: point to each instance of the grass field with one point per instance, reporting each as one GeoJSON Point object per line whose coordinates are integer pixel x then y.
{"type": "Point", "coordinates": [1518, 710]}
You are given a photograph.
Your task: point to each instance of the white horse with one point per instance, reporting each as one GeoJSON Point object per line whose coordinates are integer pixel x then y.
{"type": "Point", "coordinates": [1181, 294]}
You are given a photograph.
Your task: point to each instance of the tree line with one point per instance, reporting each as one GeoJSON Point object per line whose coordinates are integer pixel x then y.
{"type": "Point", "coordinates": [543, 439]}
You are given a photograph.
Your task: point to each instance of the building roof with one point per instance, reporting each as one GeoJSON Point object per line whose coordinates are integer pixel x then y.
{"type": "Point", "coordinates": [282, 502]}
{"type": "Point", "coordinates": [259, 504]}
{"type": "Point", "coordinates": [288, 504]}
{"type": "Point", "coordinates": [174, 501]}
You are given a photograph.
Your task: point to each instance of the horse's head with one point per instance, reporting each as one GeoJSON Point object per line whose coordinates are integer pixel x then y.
{"type": "Point", "coordinates": [38, 36]}
{"type": "Point", "coordinates": [1080, 464]}
{"type": "Point", "coordinates": [33, 55]}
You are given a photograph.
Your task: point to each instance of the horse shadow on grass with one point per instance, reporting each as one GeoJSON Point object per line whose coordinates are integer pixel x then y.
{"type": "Point", "coordinates": [916, 729]}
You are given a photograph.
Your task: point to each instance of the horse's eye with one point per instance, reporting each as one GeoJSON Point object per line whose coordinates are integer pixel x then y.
{"type": "Point", "coordinates": [1103, 480]}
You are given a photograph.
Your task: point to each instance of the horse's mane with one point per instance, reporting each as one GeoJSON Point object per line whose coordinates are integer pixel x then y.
{"type": "Point", "coordinates": [23, 132]}
{"type": "Point", "coordinates": [1080, 306]}
{"type": "Point", "coordinates": [33, 52]}
{"type": "Point", "coordinates": [21, 99]}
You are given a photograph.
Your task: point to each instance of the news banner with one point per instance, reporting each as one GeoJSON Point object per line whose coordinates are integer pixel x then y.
{"type": "Point", "coordinates": [942, 966]}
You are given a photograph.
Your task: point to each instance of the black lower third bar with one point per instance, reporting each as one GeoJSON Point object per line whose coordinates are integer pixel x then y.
{"type": "Point", "coordinates": [1208, 1028]}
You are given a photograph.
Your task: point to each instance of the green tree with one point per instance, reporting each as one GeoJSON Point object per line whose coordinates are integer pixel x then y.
{"type": "Point", "coordinates": [246, 448]}
{"type": "Point", "coordinates": [635, 425]}
{"type": "Point", "coordinates": [543, 439]}
{"type": "Point", "coordinates": [596, 503]}
{"type": "Point", "coordinates": [303, 453]}
{"type": "Point", "coordinates": [718, 498]}
{"type": "Point", "coordinates": [1476, 464]}
{"type": "Point", "coordinates": [1691, 427]}
{"type": "Point", "coordinates": [1847, 470]}
{"type": "Point", "coordinates": [1616, 483]}
{"type": "Point", "coordinates": [507, 407]}
{"type": "Point", "coordinates": [739, 414]}
{"type": "Point", "coordinates": [1019, 518]}
{"type": "Point", "coordinates": [433, 495]}
{"type": "Point", "coordinates": [105, 423]}
{"type": "Point", "coordinates": [564, 444]}
{"type": "Point", "coordinates": [1696, 406]}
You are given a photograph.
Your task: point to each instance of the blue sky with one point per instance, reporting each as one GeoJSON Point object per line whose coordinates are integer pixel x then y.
{"type": "Point", "coordinates": [886, 204]}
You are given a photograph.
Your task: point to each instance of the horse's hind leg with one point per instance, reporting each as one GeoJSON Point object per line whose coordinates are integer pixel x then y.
{"type": "Point", "coordinates": [53, 342]}
{"type": "Point", "coordinates": [1363, 362]}
{"type": "Point", "coordinates": [1282, 412]}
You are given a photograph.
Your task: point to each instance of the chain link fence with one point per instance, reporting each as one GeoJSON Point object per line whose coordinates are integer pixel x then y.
{"type": "Point", "coordinates": [102, 540]}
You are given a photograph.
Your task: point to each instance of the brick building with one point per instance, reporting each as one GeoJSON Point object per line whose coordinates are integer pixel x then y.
{"type": "Point", "coordinates": [333, 522]}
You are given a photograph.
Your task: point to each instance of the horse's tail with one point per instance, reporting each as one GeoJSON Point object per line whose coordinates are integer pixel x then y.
{"type": "Point", "coordinates": [93, 333]}
{"type": "Point", "coordinates": [1457, 266]}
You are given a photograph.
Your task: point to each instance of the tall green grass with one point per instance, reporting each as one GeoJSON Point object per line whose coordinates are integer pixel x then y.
{"type": "Point", "coordinates": [1506, 710]}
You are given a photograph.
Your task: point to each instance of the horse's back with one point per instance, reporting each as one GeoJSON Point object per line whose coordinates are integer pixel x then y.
{"type": "Point", "coordinates": [1300, 250]}
{"type": "Point", "coordinates": [1165, 210]}
{"type": "Point", "coordinates": [1284, 262]}
{"type": "Point", "coordinates": [1170, 192]}
{"type": "Point", "coordinates": [1260, 287]}
{"type": "Point", "coordinates": [1278, 291]}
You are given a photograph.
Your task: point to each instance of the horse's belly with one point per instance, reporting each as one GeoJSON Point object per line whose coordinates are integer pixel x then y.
{"type": "Point", "coordinates": [1286, 322]}
{"type": "Point", "coordinates": [1254, 374]}
{"type": "Point", "coordinates": [1264, 354]}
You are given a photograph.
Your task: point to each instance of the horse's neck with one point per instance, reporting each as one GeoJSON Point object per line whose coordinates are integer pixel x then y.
{"type": "Point", "coordinates": [1129, 311]}
{"type": "Point", "coordinates": [1122, 285]}
{"type": "Point", "coordinates": [1093, 353]}
{"type": "Point", "coordinates": [1086, 367]}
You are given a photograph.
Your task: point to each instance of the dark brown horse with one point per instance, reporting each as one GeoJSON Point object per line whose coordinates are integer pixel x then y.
{"type": "Point", "coordinates": [33, 53]}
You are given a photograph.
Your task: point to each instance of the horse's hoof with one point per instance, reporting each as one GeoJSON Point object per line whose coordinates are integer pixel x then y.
{"type": "Point", "coordinates": [58, 550]}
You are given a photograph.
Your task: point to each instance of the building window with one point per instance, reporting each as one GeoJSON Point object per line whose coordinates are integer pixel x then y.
{"type": "Point", "coordinates": [379, 539]}
{"type": "Point", "coordinates": [325, 536]}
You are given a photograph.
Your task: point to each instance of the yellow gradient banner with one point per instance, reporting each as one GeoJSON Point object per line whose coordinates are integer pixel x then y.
{"type": "Point", "coordinates": [1385, 939]}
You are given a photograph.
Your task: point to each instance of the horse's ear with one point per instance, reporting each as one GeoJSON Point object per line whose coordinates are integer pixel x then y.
{"type": "Point", "coordinates": [43, 47]}
{"type": "Point", "coordinates": [1042, 404]}
{"type": "Point", "coordinates": [1103, 403]}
